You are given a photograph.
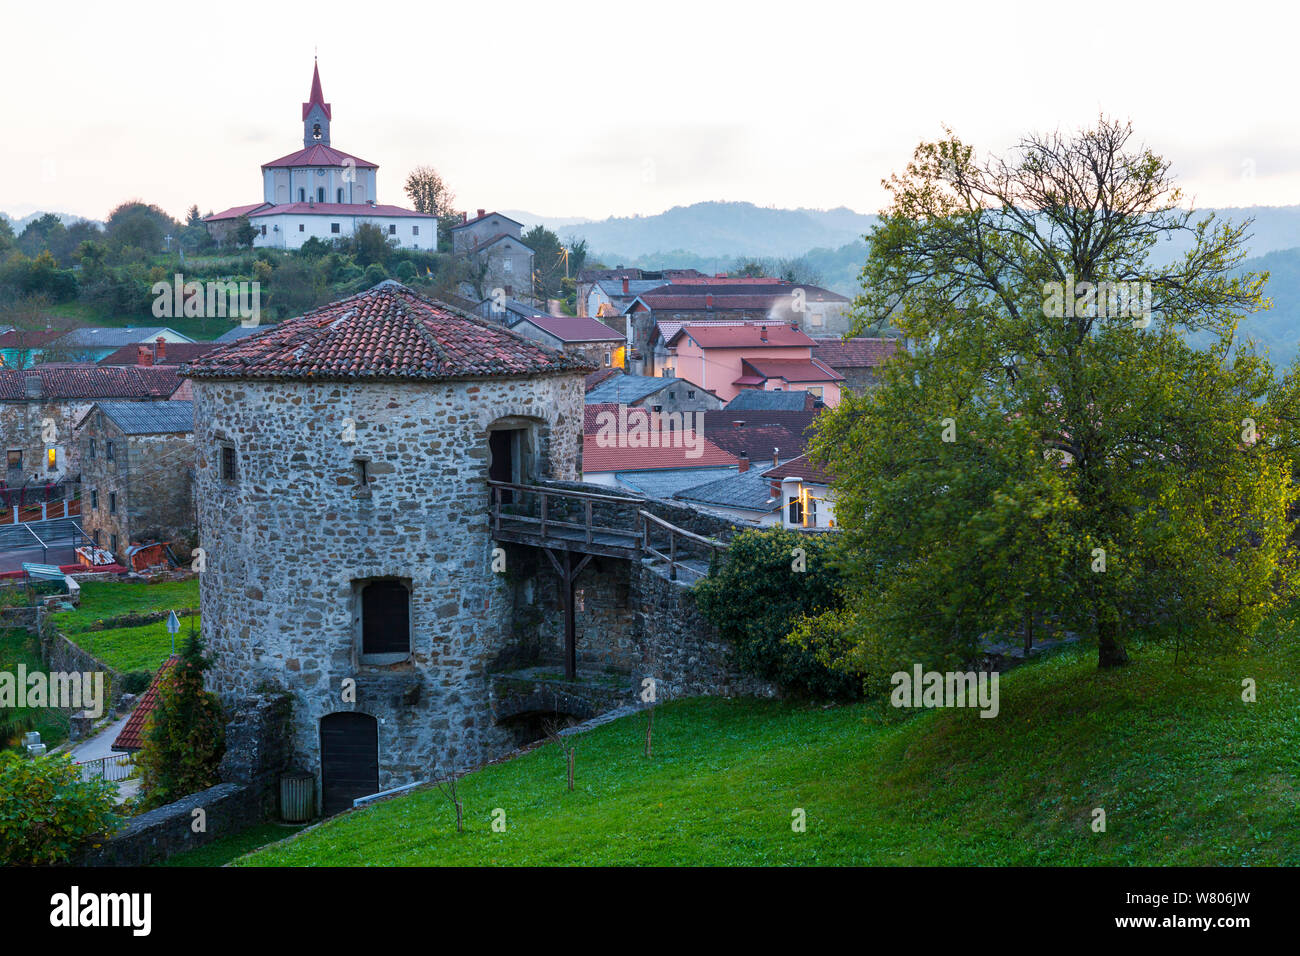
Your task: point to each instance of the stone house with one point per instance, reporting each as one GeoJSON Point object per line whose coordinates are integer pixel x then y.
{"type": "Point", "coordinates": [594, 341]}
{"type": "Point", "coordinates": [665, 395]}
{"type": "Point", "coordinates": [494, 246]}
{"type": "Point", "coordinates": [41, 406]}
{"type": "Point", "coordinates": [342, 461]}
{"type": "Point", "coordinates": [859, 360]}
{"type": "Point", "coordinates": [137, 473]}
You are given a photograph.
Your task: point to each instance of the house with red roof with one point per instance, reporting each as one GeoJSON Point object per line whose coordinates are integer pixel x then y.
{"type": "Point", "coordinates": [131, 737]}
{"type": "Point", "coordinates": [594, 340]}
{"type": "Point", "coordinates": [322, 192]}
{"type": "Point", "coordinates": [858, 359]}
{"type": "Point", "coordinates": [728, 357]}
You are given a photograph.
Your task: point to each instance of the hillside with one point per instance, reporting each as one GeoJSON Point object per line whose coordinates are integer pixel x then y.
{"type": "Point", "coordinates": [1187, 773]}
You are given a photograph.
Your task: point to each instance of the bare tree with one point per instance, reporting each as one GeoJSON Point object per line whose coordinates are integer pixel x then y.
{"type": "Point", "coordinates": [447, 788]}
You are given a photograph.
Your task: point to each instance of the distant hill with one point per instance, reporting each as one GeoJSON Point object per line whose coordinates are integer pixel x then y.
{"type": "Point", "coordinates": [66, 218]}
{"type": "Point", "coordinates": [1278, 329]}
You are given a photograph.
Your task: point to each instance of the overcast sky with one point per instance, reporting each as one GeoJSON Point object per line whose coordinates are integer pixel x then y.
{"type": "Point", "coordinates": [600, 108]}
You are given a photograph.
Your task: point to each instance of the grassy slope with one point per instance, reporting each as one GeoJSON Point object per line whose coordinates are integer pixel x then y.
{"type": "Point", "coordinates": [128, 648]}
{"type": "Point", "coordinates": [19, 646]}
{"type": "Point", "coordinates": [1187, 774]}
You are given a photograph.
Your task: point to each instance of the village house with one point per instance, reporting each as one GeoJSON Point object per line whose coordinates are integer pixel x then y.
{"type": "Point", "coordinates": [593, 340]}
{"type": "Point", "coordinates": [41, 406]}
{"type": "Point", "coordinates": [656, 461]}
{"type": "Point", "coordinates": [660, 311]}
{"type": "Point", "coordinates": [603, 292]}
{"type": "Point", "coordinates": [656, 394]}
{"type": "Point", "coordinates": [90, 344]}
{"type": "Point", "coordinates": [342, 466]}
{"type": "Point", "coordinates": [746, 495]}
{"type": "Point", "coordinates": [726, 358]}
{"type": "Point", "coordinates": [158, 352]}
{"type": "Point", "coordinates": [137, 474]}
{"type": "Point", "coordinates": [323, 193]}
{"type": "Point", "coordinates": [804, 490]}
{"type": "Point", "coordinates": [494, 248]}
{"type": "Point", "coordinates": [23, 348]}
{"type": "Point", "coordinates": [858, 360]}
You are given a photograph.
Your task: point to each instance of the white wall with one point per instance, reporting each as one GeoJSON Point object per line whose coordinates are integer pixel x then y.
{"type": "Point", "coordinates": [289, 236]}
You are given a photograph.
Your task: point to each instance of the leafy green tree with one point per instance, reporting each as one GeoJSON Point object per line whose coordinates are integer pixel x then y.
{"type": "Point", "coordinates": [47, 812]}
{"type": "Point", "coordinates": [768, 582]}
{"type": "Point", "coordinates": [139, 225]}
{"type": "Point", "coordinates": [371, 245]}
{"type": "Point", "coordinates": [1051, 449]}
{"type": "Point", "coordinates": [185, 736]}
{"type": "Point", "coordinates": [242, 234]}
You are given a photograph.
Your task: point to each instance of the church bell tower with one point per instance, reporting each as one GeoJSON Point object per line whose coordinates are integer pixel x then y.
{"type": "Point", "coordinates": [315, 115]}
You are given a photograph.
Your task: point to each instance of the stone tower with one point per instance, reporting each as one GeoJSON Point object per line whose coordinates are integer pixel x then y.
{"type": "Point", "coordinates": [315, 114]}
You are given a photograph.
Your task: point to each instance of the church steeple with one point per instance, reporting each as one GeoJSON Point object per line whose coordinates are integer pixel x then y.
{"type": "Point", "coordinates": [315, 114]}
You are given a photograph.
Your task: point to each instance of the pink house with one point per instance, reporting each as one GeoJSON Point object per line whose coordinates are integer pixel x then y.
{"type": "Point", "coordinates": [726, 359]}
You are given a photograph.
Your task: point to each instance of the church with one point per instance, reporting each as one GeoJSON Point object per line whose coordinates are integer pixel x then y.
{"type": "Point", "coordinates": [323, 192]}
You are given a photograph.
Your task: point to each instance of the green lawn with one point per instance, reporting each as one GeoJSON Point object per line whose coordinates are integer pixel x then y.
{"type": "Point", "coordinates": [142, 647]}
{"type": "Point", "coordinates": [19, 646]}
{"type": "Point", "coordinates": [1186, 772]}
{"type": "Point", "coordinates": [201, 330]}
{"type": "Point", "coordinates": [220, 852]}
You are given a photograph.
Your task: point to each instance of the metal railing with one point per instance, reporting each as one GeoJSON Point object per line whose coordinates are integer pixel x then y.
{"type": "Point", "coordinates": [112, 768]}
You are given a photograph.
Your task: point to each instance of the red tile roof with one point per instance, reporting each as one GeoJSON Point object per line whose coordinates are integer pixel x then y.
{"type": "Point", "coordinates": [747, 335]}
{"type": "Point", "coordinates": [234, 212]}
{"type": "Point", "coordinates": [320, 155]}
{"type": "Point", "coordinates": [29, 338]}
{"type": "Point", "coordinates": [855, 353]}
{"type": "Point", "coordinates": [568, 328]}
{"type": "Point", "coordinates": [335, 209]}
{"type": "Point", "coordinates": [93, 381]}
{"type": "Point", "coordinates": [316, 97]}
{"type": "Point", "coordinates": [675, 451]}
{"type": "Point", "coordinates": [759, 442]}
{"type": "Point", "coordinates": [793, 370]}
{"type": "Point", "coordinates": [387, 332]}
{"type": "Point", "coordinates": [177, 353]}
{"type": "Point", "coordinates": [799, 467]}
{"type": "Point", "coordinates": [132, 735]}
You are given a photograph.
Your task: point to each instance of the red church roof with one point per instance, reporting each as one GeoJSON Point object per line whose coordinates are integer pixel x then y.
{"type": "Point", "coordinates": [320, 155]}
{"type": "Point", "coordinates": [317, 98]}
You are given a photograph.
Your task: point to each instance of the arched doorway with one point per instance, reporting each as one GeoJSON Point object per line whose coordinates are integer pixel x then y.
{"type": "Point", "coordinates": [349, 759]}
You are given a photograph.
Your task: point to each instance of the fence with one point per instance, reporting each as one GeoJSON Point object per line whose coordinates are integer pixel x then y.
{"type": "Point", "coordinates": [111, 768]}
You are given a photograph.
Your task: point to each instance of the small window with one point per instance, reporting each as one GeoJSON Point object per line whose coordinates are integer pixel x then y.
{"type": "Point", "coordinates": [320, 193]}
{"type": "Point", "coordinates": [334, 227]}
{"type": "Point", "coordinates": [92, 448]}
{"type": "Point", "coordinates": [363, 471]}
{"type": "Point", "coordinates": [113, 543]}
{"type": "Point", "coordinates": [264, 230]}
{"type": "Point", "coordinates": [112, 507]}
{"type": "Point", "coordinates": [302, 194]}
{"type": "Point", "coordinates": [51, 459]}
{"type": "Point", "coordinates": [796, 511]}
{"type": "Point", "coordinates": [690, 393]}
{"type": "Point", "coordinates": [94, 500]}
{"type": "Point", "coordinates": [671, 395]}
{"type": "Point", "coordinates": [392, 229]}
{"type": "Point", "coordinates": [658, 409]}
{"type": "Point", "coordinates": [227, 462]}
{"type": "Point", "coordinates": [815, 319]}
{"type": "Point", "coordinates": [815, 391]}
{"type": "Point", "coordinates": [340, 196]}
{"type": "Point", "coordinates": [609, 359]}
{"type": "Point", "coordinates": [415, 230]}
{"type": "Point", "coordinates": [385, 618]}
{"type": "Point", "coordinates": [108, 451]}
{"type": "Point", "coordinates": [301, 227]}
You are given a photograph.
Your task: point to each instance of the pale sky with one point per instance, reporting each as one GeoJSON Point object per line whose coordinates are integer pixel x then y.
{"type": "Point", "coordinates": [599, 108]}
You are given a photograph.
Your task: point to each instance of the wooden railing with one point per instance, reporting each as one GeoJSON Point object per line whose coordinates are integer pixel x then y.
{"type": "Point", "coordinates": [545, 521]}
{"type": "Point", "coordinates": [710, 545]}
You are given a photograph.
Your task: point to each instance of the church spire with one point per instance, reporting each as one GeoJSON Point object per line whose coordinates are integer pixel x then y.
{"type": "Point", "coordinates": [316, 114]}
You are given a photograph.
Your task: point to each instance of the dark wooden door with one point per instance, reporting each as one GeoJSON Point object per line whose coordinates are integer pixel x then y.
{"type": "Point", "coordinates": [501, 467]}
{"type": "Point", "coordinates": [349, 756]}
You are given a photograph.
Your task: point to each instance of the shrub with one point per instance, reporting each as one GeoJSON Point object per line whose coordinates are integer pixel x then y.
{"type": "Point", "coordinates": [757, 596]}
{"type": "Point", "coordinates": [185, 736]}
{"type": "Point", "coordinates": [47, 812]}
{"type": "Point", "coordinates": [136, 682]}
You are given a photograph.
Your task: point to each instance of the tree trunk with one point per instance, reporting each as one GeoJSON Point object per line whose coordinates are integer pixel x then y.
{"type": "Point", "coordinates": [1110, 653]}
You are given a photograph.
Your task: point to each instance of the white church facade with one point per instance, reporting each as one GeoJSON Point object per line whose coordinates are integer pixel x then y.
{"type": "Point", "coordinates": [322, 192]}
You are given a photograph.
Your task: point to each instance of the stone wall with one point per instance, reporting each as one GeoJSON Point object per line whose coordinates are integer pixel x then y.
{"type": "Point", "coordinates": [228, 808]}
{"type": "Point", "coordinates": [21, 428]}
{"type": "Point", "coordinates": [61, 654]}
{"type": "Point", "coordinates": [286, 541]}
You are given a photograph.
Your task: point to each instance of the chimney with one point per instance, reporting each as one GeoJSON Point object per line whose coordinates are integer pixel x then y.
{"type": "Point", "coordinates": [708, 301]}
{"type": "Point", "coordinates": [160, 355]}
{"type": "Point", "coordinates": [744, 463]}
{"type": "Point", "coordinates": [464, 217]}
{"type": "Point", "coordinates": [143, 356]}
{"type": "Point", "coordinates": [776, 457]}
{"type": "Point", "coordinates": [625, 285]}
{"type": "Point", "coordinates": [482, 213]}
{"type": "Point", "coordinates": [762, 333]}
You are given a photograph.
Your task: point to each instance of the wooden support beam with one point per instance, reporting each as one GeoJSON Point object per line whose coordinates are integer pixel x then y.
{"type": "Point", "coordinates": [568, 573]}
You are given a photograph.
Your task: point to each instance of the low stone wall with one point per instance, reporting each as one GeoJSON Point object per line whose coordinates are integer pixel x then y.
{"type": "Point", "coordinates": [226, 809]}
{"type": "Point", "coordinates": [61, 654]}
